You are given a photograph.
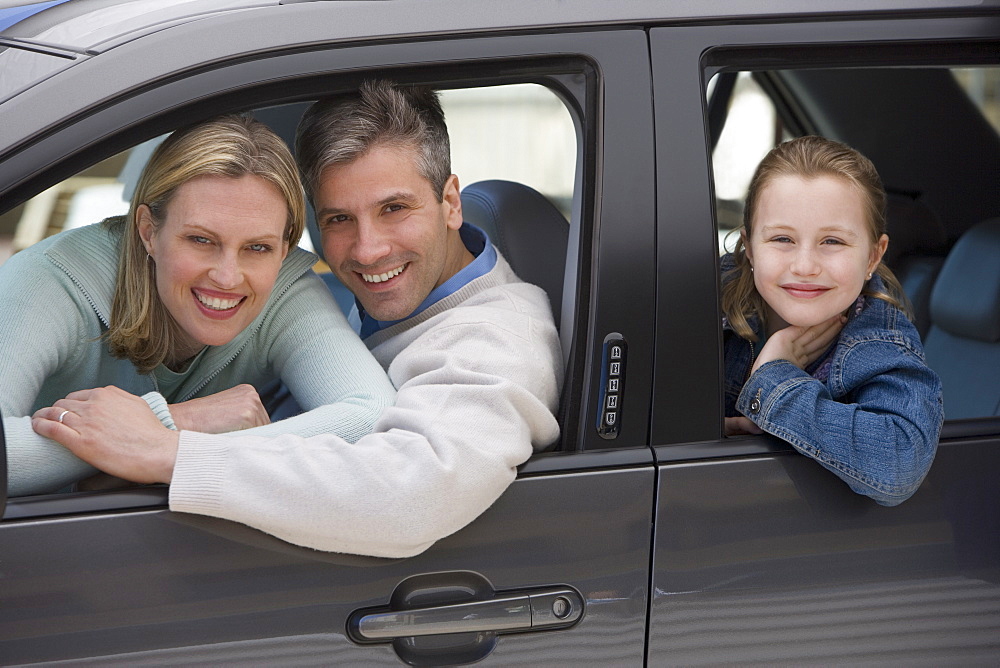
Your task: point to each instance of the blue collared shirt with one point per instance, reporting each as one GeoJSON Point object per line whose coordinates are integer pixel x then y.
{"type": "Point", "coordinates": [484, 259]}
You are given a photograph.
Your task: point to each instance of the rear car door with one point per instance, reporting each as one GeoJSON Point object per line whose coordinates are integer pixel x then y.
{"type": "Point", "coordinates": [556, 571]}
{"type": "Point", "coordinates": [760, 555]}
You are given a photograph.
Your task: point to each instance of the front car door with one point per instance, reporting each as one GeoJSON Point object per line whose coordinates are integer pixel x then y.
{"type": "Point", "coordinates": [116, 578]}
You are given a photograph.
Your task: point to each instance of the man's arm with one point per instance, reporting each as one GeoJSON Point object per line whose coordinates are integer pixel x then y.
{"type": "Point", "coordinates": [474, 400]}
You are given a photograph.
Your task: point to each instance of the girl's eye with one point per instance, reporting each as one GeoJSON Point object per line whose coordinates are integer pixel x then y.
{"type": "Point", "coordinates": [833, 242]}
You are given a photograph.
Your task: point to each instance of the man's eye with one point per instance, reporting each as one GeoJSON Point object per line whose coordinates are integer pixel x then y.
{"type": "Point", "coordinates": [333, 220]}
{"type": "Point", "coordinates": [392, 208]}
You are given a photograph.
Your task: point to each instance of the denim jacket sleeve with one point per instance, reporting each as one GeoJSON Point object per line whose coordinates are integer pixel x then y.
{"type": "Point", "coordinates": [875, 424]}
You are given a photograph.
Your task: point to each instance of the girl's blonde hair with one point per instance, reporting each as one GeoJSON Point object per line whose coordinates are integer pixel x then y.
{"type": "Point", "coordinates": [141, 329]}
{"type": "Point", "coordinates": [806, 157]}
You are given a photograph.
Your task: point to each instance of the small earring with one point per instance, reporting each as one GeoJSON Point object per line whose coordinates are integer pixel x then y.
{"type": "Point", "coordinates": [869, 276]}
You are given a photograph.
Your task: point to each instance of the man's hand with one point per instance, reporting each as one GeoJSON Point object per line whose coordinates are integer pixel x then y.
{"type": "Point", "coordinates": [230, 410]}
{"type": "Point", "coordinates": [800, 345]}
{"type": "Point", "coordinates": [112, 430]}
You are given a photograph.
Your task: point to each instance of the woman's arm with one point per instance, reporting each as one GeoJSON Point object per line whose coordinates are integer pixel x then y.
{"type": "Point", "coordinates": [332, 375]}
{"type": "Point", "coordinates": [42, 329]}
{"type": "Point", "coordinates": [880, 438]}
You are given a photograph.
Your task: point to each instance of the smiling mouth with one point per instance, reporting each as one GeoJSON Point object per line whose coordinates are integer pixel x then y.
{"type": "Point", "coordinates": [218, 303]}
{"type": "Point", "coordinates": [380, 278]}
{"type": "Point", "coordinates": [805, 290]}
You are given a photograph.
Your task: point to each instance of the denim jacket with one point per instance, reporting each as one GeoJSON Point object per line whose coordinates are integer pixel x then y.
{"type": "Point", "coordinates": [874, 420]}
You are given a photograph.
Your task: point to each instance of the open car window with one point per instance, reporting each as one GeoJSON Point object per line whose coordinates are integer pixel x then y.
{"type": "Point", "coordinates": [941, 194]}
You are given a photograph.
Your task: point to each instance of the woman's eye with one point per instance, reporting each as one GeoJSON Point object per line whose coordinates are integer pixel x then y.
{"type": "Point", "coordinates": [259, 248]}
{"type": "Point", "coordinates": [198, 240]}
{"type": "Point", "coordinates": [781, 240]}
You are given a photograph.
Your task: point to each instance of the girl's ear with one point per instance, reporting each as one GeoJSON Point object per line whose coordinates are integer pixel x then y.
{"type": "Point", "coordinates": [746, 245]}
{"type": "Point", "coordinates": [878, 250]}
{"type": "Point", "coordinates": [146, 226]}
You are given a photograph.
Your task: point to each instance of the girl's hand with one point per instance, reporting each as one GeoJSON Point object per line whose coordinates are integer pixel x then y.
{"type": "Point", "coordinates": [741, 425]}
{"type": "Point", "coordinates": [800, 345]}
{"type": "Point", "coordinates": [230, 410]}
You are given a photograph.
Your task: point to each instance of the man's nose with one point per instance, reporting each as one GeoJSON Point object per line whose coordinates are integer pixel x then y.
{"type": "Point", "coordinates": [371, 243]}
{"type": "Point", "coordinates": [227, 273]}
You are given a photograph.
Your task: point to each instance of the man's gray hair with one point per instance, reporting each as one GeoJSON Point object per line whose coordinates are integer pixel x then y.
{"type": "Point", "coordinates": [342, 128]}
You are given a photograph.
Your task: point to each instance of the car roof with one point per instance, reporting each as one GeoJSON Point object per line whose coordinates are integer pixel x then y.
{"type": "Point", "coordinates": [66, 39]}
{"type": "Point", "coordinates": [93, 26]}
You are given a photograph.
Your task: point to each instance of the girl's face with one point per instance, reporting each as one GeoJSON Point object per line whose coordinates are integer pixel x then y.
{"type": "Point", "coordinates": [217, 254]}
{"type": "Point", "coordinates": [810, 249]}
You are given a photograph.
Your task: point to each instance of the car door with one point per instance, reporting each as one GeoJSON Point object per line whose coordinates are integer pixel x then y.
{"type": "Point", "coordinates": [557, 571]}
{"type": "Point", "coordinates": [760, 555]}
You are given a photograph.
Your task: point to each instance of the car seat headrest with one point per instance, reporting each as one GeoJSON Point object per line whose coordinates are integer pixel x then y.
{"type": "Point", "coordinates": [966, 297]}
{"type": "Point", "coordinates": [527, 229]}
{"type": "Point", "coordinates": [912, 228]}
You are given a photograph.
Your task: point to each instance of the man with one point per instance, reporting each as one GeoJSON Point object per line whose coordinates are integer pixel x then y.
{"type": "Point", "coordinates": [472, 351]}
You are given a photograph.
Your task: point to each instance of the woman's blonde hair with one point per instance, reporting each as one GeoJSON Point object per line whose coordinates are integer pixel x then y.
{"type": "Point", "coordinates": [806, 157]}
{"type": "Point", "coordinates": [141, 329]}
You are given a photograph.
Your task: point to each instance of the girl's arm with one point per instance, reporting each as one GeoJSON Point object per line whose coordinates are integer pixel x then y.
{"type": "Point", "coordinates": [880, 437]}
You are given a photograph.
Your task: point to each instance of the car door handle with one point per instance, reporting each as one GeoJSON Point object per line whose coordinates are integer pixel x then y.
{"type": "Point", "coordinates": [529, 611]}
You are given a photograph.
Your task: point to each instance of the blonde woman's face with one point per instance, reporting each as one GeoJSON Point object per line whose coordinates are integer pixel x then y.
{"type": "Point", "coordinates": [810, 249]}
{"type": "Point", "coordinates": [217, 254]}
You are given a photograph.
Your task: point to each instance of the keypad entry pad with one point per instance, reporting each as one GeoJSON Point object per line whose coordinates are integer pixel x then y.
{"type": "Point", "coordinates": [613, 360]}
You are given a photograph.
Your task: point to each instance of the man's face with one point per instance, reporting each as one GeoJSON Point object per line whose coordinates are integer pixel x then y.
{"type": "Point", "coordinates": [385, 234]}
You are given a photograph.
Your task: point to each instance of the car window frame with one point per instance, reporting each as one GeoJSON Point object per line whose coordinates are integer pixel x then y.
{"type": "Point", "coordinates": [762, 47]}
{"type": "Point", "coordinates": [570, 72]}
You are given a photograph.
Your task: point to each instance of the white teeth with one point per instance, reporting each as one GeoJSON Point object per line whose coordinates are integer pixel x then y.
{"type": "Point", "coordinates": [378, 278]}
{"type": "Point", "coordinates": [216, 303]}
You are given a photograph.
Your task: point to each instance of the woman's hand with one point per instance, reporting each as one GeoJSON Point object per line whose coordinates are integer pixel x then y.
{"type": "Point", "coordinates": [800, 345]}
{"type": "Point", "coordinates": [230, 410]}
{"type": "Point", "coordinates": [113, 430]}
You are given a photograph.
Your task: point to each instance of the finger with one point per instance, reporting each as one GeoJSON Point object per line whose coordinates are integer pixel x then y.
{"type": "Point", "coordinates": [80, 395]}
{"type": "Point", "coordinates": [52, 413]}
{"type": "Point", "coordinates": [55, 430]}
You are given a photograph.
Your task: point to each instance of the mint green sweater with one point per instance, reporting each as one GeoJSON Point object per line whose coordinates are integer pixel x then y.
{"type": "Point", "coordinates": [56, 302]}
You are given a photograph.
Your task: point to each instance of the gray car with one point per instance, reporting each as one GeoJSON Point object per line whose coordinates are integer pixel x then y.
{"type": "Point", "coordinates": [647, 537]}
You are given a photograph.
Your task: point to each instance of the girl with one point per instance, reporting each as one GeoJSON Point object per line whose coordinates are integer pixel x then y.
{"type": "Point", "coordinates": [818, 348]}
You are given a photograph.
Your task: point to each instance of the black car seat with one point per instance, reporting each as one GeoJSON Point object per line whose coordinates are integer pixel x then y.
{"type": "Point", "coordinates": [918, 245]}
{"type": "Point", "coordinates": [526, 227]}
{"type": "Point", "coordinates": [963, 344]}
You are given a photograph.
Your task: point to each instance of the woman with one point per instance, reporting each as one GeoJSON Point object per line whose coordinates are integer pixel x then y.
{"type": "Point", "coordinates": [819, 350]}
{"type": "Point", "coordinates": [199, 289]}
